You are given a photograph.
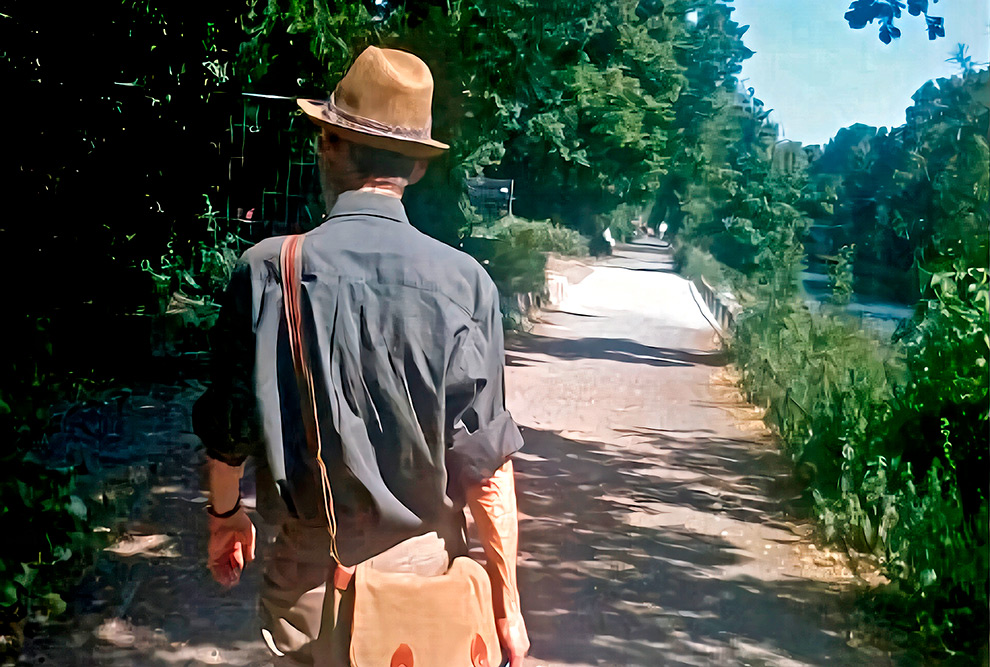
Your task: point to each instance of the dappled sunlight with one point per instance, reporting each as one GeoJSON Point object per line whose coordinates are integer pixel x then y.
{"type": "Point", "coordinates": [645, 188]}
{"type": "Point", "coordinates": [150, 600]}
{"type": "Point", "coordinates": [687, 582]}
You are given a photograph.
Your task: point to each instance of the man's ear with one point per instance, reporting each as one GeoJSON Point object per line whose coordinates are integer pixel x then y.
{"type": "Point", "coordinates": [419, 170]}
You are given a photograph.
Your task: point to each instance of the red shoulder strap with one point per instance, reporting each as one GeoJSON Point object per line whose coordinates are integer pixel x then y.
{"type": "Point", "coordinates": [290, 260]}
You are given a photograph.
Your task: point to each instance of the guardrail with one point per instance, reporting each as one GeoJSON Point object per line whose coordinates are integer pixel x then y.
{"type": "Point", "coordinates": [722, 306]}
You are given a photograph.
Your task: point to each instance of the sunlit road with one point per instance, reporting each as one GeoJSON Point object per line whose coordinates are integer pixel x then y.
{"type": "Point", "coordinates": [655, 530]}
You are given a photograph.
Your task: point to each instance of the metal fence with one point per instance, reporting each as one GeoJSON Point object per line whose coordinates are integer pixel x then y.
{"type": "Point", "coordinates": [272, 182]}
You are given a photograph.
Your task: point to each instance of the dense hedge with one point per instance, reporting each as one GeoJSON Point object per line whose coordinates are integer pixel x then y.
{"type": "Point", "coordinates": [892, 441]}
{"type": "Point", "coordinates": [891, 436]}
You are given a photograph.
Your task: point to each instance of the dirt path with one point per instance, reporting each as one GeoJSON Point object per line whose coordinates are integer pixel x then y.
{"type": "Point", "coordinates": [653, 533]}
{"type": "Point", "coordinates": [150, 601]}
{"type": "Point", "coordinates": [655, 530]}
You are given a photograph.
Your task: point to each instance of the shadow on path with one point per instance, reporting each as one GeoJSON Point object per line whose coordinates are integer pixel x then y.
{"type": "Point", "coordinates": [150, 601]}
{"type": "Point", "coordinates": [607, 349]}
{"type": "Point", "coordinates": [615, 574]}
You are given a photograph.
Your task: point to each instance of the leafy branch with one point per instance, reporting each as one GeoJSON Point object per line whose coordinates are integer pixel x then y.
{"type": "Point", "coordinates": [885, 12]}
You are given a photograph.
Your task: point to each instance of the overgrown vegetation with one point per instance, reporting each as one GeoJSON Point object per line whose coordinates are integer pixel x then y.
{"type": "Point", "coordinates": [890, 435]}
{"type": "Point", "coordinates": [537, 235]}
{"type": "Point", "coordinates": [513, 251]}
{"type": "Point", "coordinates": [113, 142]}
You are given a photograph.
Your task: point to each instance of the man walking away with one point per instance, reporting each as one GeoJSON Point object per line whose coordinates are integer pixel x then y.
{"type": "Point", "coordinates": [401, 421]}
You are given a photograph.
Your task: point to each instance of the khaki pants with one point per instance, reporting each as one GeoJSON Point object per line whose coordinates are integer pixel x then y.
{"type": "Point", "coordinates": [298, 619]}
{"type": "Point", "coordinates": [304, 621]}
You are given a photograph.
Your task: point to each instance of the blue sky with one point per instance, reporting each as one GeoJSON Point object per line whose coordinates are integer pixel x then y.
{"type": "Point", "coordinates": [819, 75]}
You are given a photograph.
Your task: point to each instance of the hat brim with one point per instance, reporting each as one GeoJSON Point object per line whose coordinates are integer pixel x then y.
{"type": "Point", "coordinates": [320, 113]}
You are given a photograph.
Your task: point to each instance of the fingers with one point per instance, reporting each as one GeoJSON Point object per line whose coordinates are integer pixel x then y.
{"type": "Point", "coordinates": [228, 561]}
{"type": "Point", "coordinates": [250, 540]}
{"type": "Point", "coordinates": [225, 572]}
{"type": "Point", "coordinates": [237, 556]}
{"type": "Point", "coordinates": [231, 547]}
{"type": "Point", "coordinates": [227, 569]}
{"type": "Point", "coordinates": [514, 638]}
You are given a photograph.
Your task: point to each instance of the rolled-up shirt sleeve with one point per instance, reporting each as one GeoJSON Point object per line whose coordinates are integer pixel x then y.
{"type": "Point", "coordinates": [481, 433]}
{"type": "Point", "coordinates": [226, 417]}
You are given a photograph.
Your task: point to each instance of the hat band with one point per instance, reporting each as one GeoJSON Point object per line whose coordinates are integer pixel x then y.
{"type": "Point", "coordinates": [421, 134]}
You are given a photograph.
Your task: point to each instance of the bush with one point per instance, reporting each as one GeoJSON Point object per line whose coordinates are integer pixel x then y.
{"type": "Point", "coordinates": [694, 263]}
{"type": "Point", "coordinates": [513, 251]}
{"type": "Point", "coordinates": [892, 440]}
{"type": "Point", "coordinates": [43, 510]}
{"type": "Point", "coordinates": [536, 235]}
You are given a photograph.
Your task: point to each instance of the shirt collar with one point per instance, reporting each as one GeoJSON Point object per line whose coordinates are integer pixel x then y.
{"type": "Point", "coordinates": [353, 202]}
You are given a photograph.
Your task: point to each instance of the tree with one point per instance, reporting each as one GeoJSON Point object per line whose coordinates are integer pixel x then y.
{"type": "Point", "coordinates": [723, 194]}
{"type": "Point", "coordinates": [915, 190]}
{"type": "Point", "coordinates": [114, 118]}
{"type": "Point", "coordinates": [706, 112]}
{"type": "Point", "coordinates": [884, 12]}
{"type": "Point", "coordinates": [572, 99]}
{"type": "Point", "coordinates": [584, 120]}
{"type": "Point", "coordinates": [119, 116]}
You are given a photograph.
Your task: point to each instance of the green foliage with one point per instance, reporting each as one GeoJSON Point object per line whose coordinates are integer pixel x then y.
{"type": "Point", "coordinates": [108, 174]}
{"type": "Point", "coordinates": [188, 288]}
{"type": "Point", "coordinates": [595, 108]}
{"type": "Point", "coordinates": [309, 44]}
{"type": "Point", "coordinates": [840, 276]}
{"type": "Point", "coordinates": [824, 382]}
{"type": "Point", "coordinates": [892, 442]}
{"type": "Point", "coordinates": [110, 167]}
{"type": "Point", "coordinates": [584, 118]}
{"type": "Point", "coordinates": [581, 122]}
{"type": "Point", "coordinates": [725, 195]}
{"type": "Point", "coordinates": [890, 437]}
{"type": "Point", "coordinates": [957, 363]}
{"type": "Point", "coordinates": [620, 221]}
{"type": "Point", "coordinates": [884, 12]}
{"type": "Point", "coordinates": [43, 512]}
{"type": "Point", "coordinates": [513, 251]}
{"type": "Point", "coordinates": [515, 269]}
{"type": "Point", "coordinates": [920, 186]}
{"type": "Point", "coordinates": [962, 59]}
{"type": "Point", "coordinates": [693, 263]}
{"type": "Point", "coordinates": [537, 235]}
{"type": "Point", "coordinates": [49, 520]}
{"type": "Point", "coordinates": [712, 123]}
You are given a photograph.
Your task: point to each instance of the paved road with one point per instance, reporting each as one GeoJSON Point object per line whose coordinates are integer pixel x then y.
{"type": "Point", "coordinates": [653, 533]}
{"type": "Point", "coordinates": [655, 530]}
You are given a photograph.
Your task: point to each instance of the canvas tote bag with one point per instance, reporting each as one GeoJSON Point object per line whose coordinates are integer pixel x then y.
{"type": "Point", "coordinates": [401, 619]}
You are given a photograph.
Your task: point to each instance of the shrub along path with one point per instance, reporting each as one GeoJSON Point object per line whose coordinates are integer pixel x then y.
{"type": "Point", "coordinates": [654, 517]}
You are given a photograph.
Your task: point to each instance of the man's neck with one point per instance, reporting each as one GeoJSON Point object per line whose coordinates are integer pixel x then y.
{"type": "Point", "coordinates": [388, 192]}
{"type": "Point", "coordinates": [390, 187]}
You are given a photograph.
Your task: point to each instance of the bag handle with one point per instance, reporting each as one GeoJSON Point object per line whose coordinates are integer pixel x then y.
{"type": "Point", "coordinates": [290, 260]}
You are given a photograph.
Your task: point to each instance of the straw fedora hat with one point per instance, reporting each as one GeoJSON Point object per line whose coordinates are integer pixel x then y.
{"type": "Point", "coordinates": [384, 101]}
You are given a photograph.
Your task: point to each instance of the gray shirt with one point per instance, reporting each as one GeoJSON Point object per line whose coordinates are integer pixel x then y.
{"type": "Point", "coordinates": [406, 348]}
